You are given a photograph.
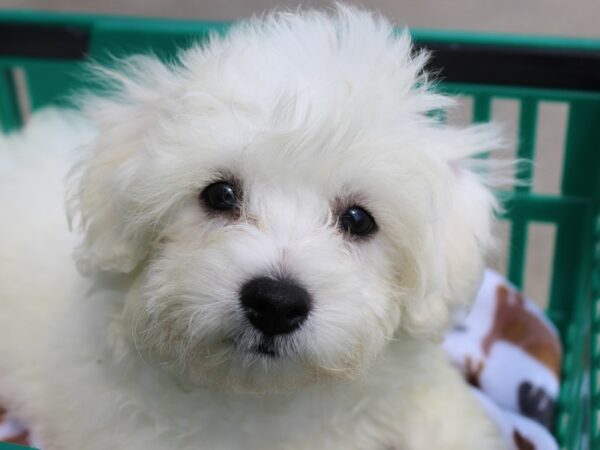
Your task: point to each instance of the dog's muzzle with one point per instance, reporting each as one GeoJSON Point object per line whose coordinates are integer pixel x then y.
{"type": "Point", "coordinates": [275, 307]}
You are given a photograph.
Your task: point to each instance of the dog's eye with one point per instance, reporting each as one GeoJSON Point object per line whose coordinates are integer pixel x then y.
{"type": "Point", "coordinates": [357, 221]}
{"type": "Point", "coordinates": [220, 196]}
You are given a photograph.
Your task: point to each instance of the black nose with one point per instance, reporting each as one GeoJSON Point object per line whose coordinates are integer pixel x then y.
{"type": "Point", "coordinates": [275, 306]}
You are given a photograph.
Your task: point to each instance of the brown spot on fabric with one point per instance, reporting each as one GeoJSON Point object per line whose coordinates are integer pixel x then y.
{"type": "Point", "coordinates": [516, 324]}
{"type": "Point", "coordinates": [21, 439]}
{"type": "Point", "coordinates": [473, 373]}
{"type": "Point", "coordinates": [522, 442]}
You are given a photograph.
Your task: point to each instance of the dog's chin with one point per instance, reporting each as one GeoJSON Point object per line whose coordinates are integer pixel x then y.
{"type": "Point", "coordinates": [258, 367]}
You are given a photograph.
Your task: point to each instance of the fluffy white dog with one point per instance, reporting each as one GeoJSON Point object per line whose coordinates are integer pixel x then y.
{"type": "Point", "coordinates": [274, 233]}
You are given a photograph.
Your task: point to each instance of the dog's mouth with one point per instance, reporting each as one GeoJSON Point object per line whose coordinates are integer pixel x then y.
{"type": "Point", "coordinates": [264, 347]}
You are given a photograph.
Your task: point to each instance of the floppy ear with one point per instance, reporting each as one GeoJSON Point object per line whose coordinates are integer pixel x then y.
{"type": "Point", "coordinates": [451, 256]}
{"type": "Point", "coordinates": [102, 193]}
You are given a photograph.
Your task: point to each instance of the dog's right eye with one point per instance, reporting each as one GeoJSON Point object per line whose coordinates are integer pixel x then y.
{"type": "Point", "coordinates": [220, 196]}
{"type": "Point", "coordinates": [357, 221]}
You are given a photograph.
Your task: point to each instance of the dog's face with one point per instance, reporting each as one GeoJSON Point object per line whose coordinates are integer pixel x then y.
{"type": "Point", "coordinates": [285, 207]}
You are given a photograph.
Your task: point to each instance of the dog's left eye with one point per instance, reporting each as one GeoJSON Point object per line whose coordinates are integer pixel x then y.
{"type": "Point", "coordinates": [220, 196]}
{"type": "Point", "coordinates": [357, 221]}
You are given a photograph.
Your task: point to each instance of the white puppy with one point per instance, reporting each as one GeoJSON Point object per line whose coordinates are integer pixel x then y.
{"type": "Point", "coordinates": [273, 232]}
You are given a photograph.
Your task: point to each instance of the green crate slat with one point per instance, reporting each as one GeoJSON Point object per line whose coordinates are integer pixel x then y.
{"type": "Point", "coordinates": [117, 37]}
{"type": "Point", "coordinates": [7, 446]}
{"type": "Point", "coordinates": [544, 208]}
{"type": "Point", "coordinates": [570, 419]}
{"type": "Point", "coordinates": [482, 108]}
{"type": "Point", "coordinates": [515, 92]}
{"type": "Point", "coordinates": [518, 246]}
{"type": "Point", "coordinates": [594, 313]}
{"type": "Point", "coordinates": [505, 39]}
{"type": "Point", "coordinates": [51, 84]}
{"type": "Point", "coordinates": [10, 115]}
{"type": "Point", "coordinates": [526, 149]}
{"type": "Point", "coordinates": [582, 158]}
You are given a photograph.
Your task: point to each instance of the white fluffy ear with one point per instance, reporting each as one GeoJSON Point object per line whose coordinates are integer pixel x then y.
{"type": "Point", "coordinates": [98, 199]}
{"type": "Point", "coordinates": [102, 194]}
{"type": "Point", "coordinates": [450, 259]}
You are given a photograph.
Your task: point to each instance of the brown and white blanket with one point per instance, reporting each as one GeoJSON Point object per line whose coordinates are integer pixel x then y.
{"type": "Point", "coordinates": [511, 354]}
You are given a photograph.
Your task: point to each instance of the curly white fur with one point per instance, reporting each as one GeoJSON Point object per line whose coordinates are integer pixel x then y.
{"type": "Point", "coordinates": [150, 349]}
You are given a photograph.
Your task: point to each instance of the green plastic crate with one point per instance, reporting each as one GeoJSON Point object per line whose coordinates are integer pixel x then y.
{"type": "Point", "coordinates": [42, 53]}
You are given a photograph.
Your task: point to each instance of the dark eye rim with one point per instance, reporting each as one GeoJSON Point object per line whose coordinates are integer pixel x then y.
{"type": "Point", "coordinates": [363, 235]}
{"type": "Point", "coordinates": [204, 200]}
